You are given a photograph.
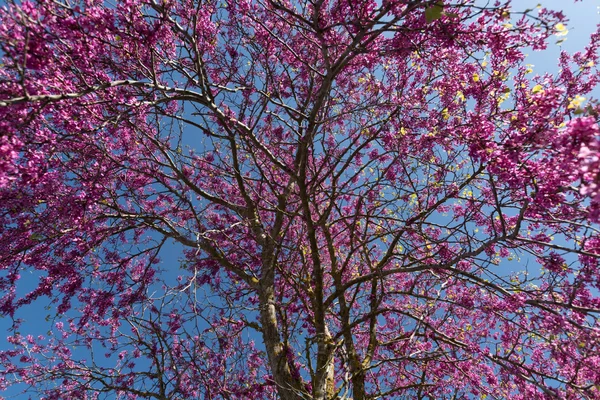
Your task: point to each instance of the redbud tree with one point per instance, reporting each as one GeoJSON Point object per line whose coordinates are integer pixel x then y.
{"type": "Point", "coordinates": [297, 199]}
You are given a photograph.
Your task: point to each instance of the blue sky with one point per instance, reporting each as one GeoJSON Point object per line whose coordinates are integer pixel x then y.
{"type": "Point", "coordinates": [583, 18]}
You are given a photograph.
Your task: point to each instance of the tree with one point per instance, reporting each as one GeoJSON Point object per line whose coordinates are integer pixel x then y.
{"type": "Point", "coordinates": [368, 199]}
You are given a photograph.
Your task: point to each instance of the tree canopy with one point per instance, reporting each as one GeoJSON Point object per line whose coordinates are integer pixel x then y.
{"type": "Point", "coordinates": [297, 199]}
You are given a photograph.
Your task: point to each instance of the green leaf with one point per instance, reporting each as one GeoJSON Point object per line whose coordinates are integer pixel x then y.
{"type": "Point", "coordinates": [36, 237]}
{"type": "Point", "coordinates": [434, 12]}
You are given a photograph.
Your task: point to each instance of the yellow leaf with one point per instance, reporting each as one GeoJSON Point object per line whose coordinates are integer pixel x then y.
{"type": "Point", "coordinates": [576, 102]}
{"type": "Point", "coordinates": [529, 68]}
{"type": "Point", "coordinates": [561, 29]}
{"type": "Point", "coordinates": [537, 89]}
